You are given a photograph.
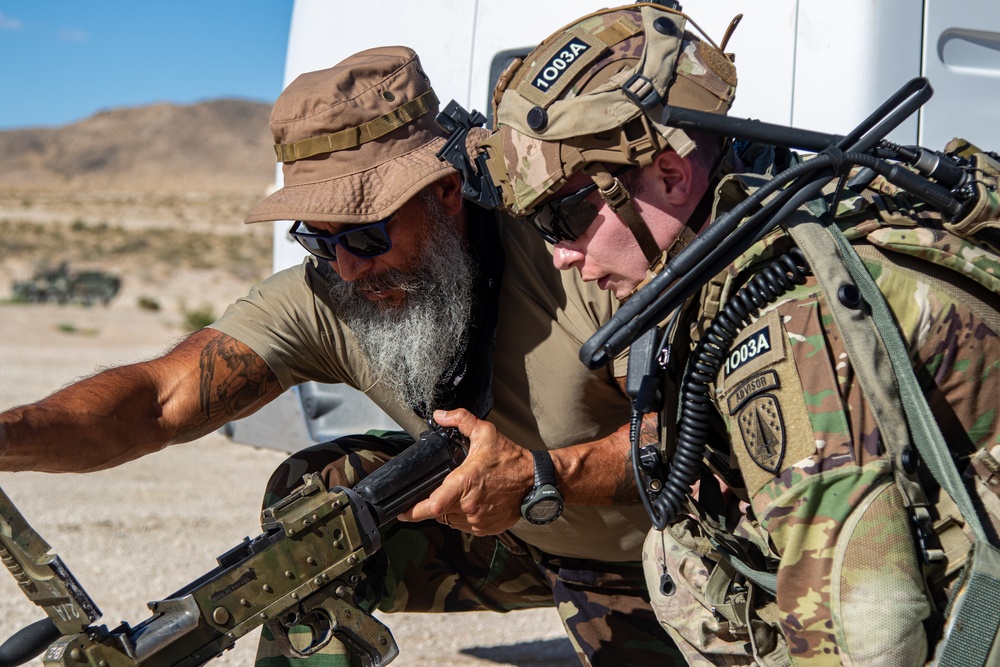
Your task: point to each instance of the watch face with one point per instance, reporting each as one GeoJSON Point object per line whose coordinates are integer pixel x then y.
{"type": "Point", "coordinates": [545, 510]}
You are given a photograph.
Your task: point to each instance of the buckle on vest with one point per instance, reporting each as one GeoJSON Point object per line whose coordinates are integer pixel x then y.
{"type": "Point", "coordinates": [927, 541]}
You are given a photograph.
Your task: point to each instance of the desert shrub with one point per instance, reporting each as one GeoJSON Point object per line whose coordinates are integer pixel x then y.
{"type": "Point", "coordinates": [71, 328]}
{"type": "Point", "coordinates": [197, 318]}
{"type": "Point", "coordinates": [148, 303]}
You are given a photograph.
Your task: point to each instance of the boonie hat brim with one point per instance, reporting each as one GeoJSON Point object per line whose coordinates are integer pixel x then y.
{"type": "Point", "coordinates": [357, 140]}
{"type": "Point", "coordinates": [367, 196]}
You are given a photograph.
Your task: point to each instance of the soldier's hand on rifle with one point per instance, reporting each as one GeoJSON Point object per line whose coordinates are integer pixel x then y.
{"type": "Point", "coordinates": [483, 495]}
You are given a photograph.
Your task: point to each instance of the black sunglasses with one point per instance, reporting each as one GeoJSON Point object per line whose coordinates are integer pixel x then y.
{"type": "Point", "coordinates": [369, 240]}
{"type": "Point", "coordinates": [567, 218]}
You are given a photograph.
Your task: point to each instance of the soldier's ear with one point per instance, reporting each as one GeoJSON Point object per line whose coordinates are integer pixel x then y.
{"type": "Point", "coordinates": [674, 176]}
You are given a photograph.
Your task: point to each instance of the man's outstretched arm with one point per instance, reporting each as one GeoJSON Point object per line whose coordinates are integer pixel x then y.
{"type": "Point", "coordinates": [123, 413]}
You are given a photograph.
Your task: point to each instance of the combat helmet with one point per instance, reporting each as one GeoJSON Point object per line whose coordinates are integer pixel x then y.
{"type": "Point", "coordinates": [593, 94]}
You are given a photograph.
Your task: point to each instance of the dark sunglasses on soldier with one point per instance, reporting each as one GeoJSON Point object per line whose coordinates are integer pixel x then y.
{"type": "Point", "coordinates": [366, 241]}
{"type": "Point", "coordinates": [567, 218]}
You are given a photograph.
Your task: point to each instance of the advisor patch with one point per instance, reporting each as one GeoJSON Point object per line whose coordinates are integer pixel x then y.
{"type": "Point", "coordinates": [768, 380]}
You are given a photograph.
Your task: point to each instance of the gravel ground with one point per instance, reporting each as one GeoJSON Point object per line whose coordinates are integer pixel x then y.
{"type": "Point", "coordinates": [138, 532]}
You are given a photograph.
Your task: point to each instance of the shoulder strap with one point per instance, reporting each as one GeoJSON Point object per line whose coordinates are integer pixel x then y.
{"type": "Point", "coordinates": [837, 267]}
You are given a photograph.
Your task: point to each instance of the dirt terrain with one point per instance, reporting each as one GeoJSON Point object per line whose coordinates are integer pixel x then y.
{"type": "Point", "coordinates": [141, 531]}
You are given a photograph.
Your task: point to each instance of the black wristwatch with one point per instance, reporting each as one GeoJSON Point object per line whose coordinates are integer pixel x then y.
{"type": "Point", "coordinates": [544, 503]}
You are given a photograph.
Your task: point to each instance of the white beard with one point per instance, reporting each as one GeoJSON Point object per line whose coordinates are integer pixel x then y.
{"type": "Point", "coordinates": [409, 347]}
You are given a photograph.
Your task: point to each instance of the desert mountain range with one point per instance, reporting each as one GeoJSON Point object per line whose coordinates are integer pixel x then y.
{"type": "Point", "coordinates": [216, 146]}
{"type": "Point", "coordinates": [155, 193]}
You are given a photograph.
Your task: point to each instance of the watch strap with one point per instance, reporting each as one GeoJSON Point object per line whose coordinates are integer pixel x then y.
{"type": "Point", "coordinates": [545, 470]}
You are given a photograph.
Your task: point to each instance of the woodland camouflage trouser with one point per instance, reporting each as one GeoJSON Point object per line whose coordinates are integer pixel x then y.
{"type": "Point", "coordinates": [428, 567]}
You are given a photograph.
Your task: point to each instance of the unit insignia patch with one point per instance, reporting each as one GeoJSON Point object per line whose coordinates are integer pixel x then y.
{"type": "Point", "coordinates": [763, 430]}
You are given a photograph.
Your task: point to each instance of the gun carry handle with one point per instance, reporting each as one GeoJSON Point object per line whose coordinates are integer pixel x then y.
{"type": "Point", "coordinates": [359, 631]}
{"type": "Point", "coordinates": [28, 642]}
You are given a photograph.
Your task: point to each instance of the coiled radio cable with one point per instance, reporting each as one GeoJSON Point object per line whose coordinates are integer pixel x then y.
{"type": "Point", "coordinates": [693, 425]}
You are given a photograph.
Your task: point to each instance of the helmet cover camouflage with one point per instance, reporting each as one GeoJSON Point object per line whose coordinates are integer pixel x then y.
{"type": "Point", "coordinates": [594, 92]}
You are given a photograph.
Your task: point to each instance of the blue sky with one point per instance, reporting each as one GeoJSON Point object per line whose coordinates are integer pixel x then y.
{"type": "Point", "coordinates": [64, 60]}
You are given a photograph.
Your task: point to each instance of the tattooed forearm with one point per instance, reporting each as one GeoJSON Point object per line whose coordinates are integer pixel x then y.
{"type": "Point", "coordinates": [232, 379]}
{"type": "Point", "coordinates": [649, 430]}
{"type": "Point", "coordinates": [625, 489]}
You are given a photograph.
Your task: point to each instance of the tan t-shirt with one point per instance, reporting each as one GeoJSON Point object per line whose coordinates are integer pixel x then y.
{"type": "Point", "coordinates": [544, 397]}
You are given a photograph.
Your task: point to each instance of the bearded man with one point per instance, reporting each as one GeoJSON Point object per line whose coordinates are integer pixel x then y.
{"type": "Point", "coordinates": [432, 308]}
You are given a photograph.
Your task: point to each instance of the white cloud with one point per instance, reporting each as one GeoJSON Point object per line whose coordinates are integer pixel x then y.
{"type": "Point", "coordinates": [9, 22]}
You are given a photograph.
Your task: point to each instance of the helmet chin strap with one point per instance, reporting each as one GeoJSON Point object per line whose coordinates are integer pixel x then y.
{"type": "Point", "coordinates": [617, 197]}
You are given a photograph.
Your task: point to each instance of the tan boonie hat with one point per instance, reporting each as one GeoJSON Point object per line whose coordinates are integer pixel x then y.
{"type": "Point", "coordinates": [595, 92]}
{"type": "Point", "coordinates": [357, 140]}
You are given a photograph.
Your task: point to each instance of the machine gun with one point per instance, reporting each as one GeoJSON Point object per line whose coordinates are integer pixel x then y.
{"type": "Point", "coordinates": [302, 571]}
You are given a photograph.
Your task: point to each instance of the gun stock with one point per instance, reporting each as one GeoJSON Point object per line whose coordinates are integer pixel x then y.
{"type": "Point", "coordinates": [301, 572]}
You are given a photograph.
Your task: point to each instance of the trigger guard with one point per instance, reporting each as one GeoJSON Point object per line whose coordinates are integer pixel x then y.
{"type": "Point", "coordinates": [360, 632]}
{"type": "Point", "coordinates": [319, 623]}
